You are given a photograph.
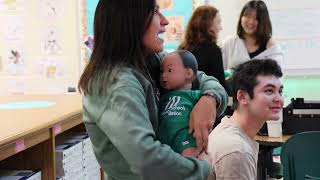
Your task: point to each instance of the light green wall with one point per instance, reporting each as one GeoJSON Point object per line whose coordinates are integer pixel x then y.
{"type": "Point", "coordinates": [307, 87]}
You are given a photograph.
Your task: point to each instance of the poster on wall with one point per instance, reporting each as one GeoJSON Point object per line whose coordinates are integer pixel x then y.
{"type": "Point", "coordinates": [178, 13]}
{"type": "Point", "coordinates": [166, 4]}
{"type": "Point", "coordinates": [50, 68]}
{"type": "Point", "coordinates": [51, 8]}
{"type": "Point", "coordinates": [11, 5]}
{"type": "Point", "coordinates": [174, 30]}
{"type": "Point", "coordinates": [14, 28]}
{"type": "Point", "coordinates": [51, 41]}
{"type": "Point", "coordinates": [15, 62]}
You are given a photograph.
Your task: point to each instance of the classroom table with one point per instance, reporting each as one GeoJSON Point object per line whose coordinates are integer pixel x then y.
{"type": "Point", "coordinates": [271, 141]}
{"type": "Point", "coordinates": [27, 135]}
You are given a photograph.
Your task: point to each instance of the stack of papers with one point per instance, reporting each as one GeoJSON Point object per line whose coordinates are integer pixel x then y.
{"type": "Point", "coordinates": [90, 166]}
{"type": "Point", "coordinates": [69, 161]}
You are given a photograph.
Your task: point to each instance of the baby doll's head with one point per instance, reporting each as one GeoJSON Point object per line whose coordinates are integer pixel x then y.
{"type": "Point", "coordinates": [178, 70]}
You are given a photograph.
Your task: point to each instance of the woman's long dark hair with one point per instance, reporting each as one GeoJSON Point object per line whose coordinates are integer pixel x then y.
{"type": "Point", "coordinates": [264, 29]}
{"type": "Point", "coordinates": [119, 26]}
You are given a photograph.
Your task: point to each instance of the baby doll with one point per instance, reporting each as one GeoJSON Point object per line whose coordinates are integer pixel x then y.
{"type": "Point", "coordinates": [178, 70]}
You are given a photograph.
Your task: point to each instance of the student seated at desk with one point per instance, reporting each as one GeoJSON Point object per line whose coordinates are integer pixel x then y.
{"type": "Point", "coordinates": [257, 98]}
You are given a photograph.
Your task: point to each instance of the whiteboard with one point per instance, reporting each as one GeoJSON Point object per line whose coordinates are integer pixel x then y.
{"type": "Point", "coordinates": [296, 25]}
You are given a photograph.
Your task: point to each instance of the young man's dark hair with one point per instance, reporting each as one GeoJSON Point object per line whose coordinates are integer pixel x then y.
{"type": "Point", "coordinates": [245, 75]}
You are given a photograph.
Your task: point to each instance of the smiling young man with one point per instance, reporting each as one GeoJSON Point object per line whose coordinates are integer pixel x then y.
{"type": "Point", "coordinates": [257, 97]}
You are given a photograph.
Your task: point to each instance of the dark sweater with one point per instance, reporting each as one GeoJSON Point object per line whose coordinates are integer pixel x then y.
{"type": "Point", "coordinates": [209, 57]}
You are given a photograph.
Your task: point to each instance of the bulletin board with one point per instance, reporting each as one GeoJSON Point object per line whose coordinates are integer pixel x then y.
{"type": "Point", "coordinates": [39, 46]}
{"type": "Point", "coordinates": [178, 13]}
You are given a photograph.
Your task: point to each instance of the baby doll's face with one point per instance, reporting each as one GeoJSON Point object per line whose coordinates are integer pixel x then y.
{"type": "Point", "coordinates": [174, 75]}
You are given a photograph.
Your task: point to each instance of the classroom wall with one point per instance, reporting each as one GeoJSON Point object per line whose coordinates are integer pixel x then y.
{"type": "Point", "coordinates": [45, 34]}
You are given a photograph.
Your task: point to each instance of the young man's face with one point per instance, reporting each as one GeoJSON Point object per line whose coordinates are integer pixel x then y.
{"type": "Point", "coordinates": [267, 100]}
{"type": "Point", "coordinates": [174, 75]}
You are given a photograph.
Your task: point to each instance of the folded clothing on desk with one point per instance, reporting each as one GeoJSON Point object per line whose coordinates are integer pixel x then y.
{"type": "Point", "coordinates": [300, 116]}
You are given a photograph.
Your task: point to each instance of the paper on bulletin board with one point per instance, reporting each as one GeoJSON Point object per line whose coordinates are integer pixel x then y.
{"type": "Point", "coordinates": [13, 27]}
{"type": "Point", "coordinates": [51, 41]}
{"type": "Point", "coordinates": [175, 29]}
{"type": "Point", "coordinates": [166, 4]}
{"type": "Point", "coordinates": [178, 13]}
{"type": "Point", "coordinates": [51, 8]}
{"type": "Point", "coordinates": [51, 67]}
{"type": "Point", "coordinates": [15, 60]}
{"type": "Point", "coordinates": [11, 5]}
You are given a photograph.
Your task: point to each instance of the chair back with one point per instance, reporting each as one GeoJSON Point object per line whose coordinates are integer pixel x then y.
{"type": "Point", "coordinates": [300, 156]}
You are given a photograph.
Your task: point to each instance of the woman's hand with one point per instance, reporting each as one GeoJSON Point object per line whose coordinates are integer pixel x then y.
{"type": "Point", "coordinates": [202, 118]}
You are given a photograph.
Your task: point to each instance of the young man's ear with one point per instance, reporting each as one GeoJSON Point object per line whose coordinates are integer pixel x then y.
{"type": "Point", "coordinates": [189, 74]}
{"type": "Point", "coordinates": [242, 97]}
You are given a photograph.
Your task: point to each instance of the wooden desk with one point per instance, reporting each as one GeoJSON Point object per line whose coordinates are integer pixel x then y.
{"type": "Point", "coordinates": [271, 141]}
{"type": "Point", "coordinates": [27, 136]}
